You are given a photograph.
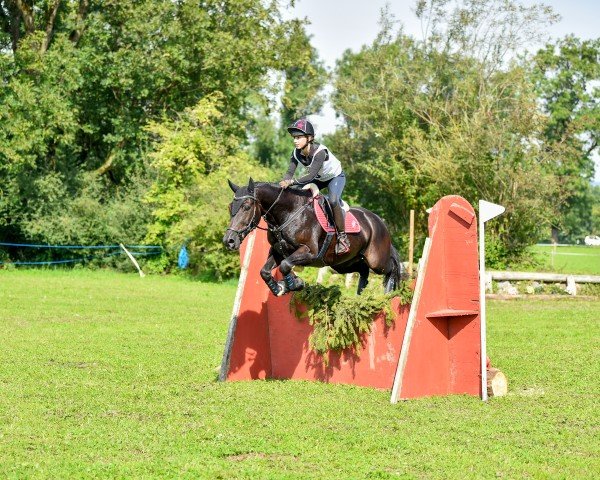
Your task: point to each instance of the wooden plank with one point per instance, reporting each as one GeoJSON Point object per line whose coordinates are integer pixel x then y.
{"type": "Point", "coordinates": [397, 388]}
{"type": "Point", "coordinates": [236, 308]}
{"type": "Point", "coordinates": [543, 277]}
{"type": "Point", "coordinates": [450, 312]}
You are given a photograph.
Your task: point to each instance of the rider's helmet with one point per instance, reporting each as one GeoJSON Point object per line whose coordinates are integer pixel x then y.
{"type": "Point", "coordinates": [301, 127]}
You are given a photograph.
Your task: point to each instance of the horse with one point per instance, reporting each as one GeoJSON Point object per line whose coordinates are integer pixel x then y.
{"type": "Point", "coordinates": [296, 238]}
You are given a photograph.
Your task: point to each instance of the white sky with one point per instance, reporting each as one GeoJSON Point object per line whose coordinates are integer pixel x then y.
{"type": "Point", "coordinates": [338, 25]}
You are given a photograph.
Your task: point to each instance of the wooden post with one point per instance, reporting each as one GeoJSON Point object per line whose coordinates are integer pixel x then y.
{"type": "Point", "coordinates": [487, 211]}
{"type": "Point", "coordinates": [403, 358]}
{"type": "Point", "coordinates": [321, 274]}
{"type": "Point", "coordinates": [133, 260]}
{"type": "Point", "coordinates": [411, 243]}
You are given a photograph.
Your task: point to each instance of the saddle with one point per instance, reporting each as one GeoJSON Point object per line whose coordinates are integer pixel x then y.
{"type": "Point", "coordinates": [321, 206]}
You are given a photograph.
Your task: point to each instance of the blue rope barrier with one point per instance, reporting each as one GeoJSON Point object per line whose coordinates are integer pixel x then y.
{"type": "Point", "coordinates": [75, 260]}
{"type": "Point", "coordinates": [78, 247]}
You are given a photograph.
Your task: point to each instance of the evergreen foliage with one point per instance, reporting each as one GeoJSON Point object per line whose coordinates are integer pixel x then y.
{"type": "Point", "coordinates": [340, 320]}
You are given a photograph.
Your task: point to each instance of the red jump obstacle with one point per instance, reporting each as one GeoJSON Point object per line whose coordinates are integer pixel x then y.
{"type": "Point", "coordinates": [433, 347]}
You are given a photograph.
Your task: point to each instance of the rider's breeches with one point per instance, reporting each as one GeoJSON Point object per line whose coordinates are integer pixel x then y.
{"type": "Point", "coordinates": [335, 189]}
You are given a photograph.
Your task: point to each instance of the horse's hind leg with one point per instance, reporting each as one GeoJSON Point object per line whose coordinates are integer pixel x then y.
{"type": "Point", "coordinates": [390, 284]}
{"type": "Point", "coordinates": [363, 272]}
{"type": "Point", "coordinates": [393, 275]}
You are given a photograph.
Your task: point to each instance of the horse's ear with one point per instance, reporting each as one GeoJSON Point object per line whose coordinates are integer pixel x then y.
{"type": "Point", "coordinates": [233, 186]}
{"type": "Point", "coordinates": [250, 186]}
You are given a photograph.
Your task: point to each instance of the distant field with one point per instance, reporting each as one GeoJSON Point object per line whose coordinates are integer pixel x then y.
{"type": "Point", "coordinates": [574, 259]}
{"type": "Point", "coordinates": [106, 375]}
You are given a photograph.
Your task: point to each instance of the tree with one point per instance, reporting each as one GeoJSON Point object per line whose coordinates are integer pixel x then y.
{"type": "Point", "coordinates": [192, 159]}
{"type": "Point", "coordinates": [80, 80]}
{"type": "Point", "coordinates": [448, 115]}
{"type": "Point", "coordinates": [595, 230]}
{"type": "Point", "coordinates": [566, 74]}
{"type": "Point", "coordinates": [300, 94]}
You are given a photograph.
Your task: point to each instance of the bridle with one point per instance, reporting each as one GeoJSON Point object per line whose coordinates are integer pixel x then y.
{"type": "Point", "coordinates": [254, 223]}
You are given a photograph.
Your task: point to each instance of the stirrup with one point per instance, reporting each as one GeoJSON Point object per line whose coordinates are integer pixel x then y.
{"type": "Point", "coordinates": [342, 245]}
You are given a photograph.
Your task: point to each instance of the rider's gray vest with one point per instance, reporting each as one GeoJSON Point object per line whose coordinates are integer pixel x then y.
{"type": "Point", "coordinates": [331, 167]}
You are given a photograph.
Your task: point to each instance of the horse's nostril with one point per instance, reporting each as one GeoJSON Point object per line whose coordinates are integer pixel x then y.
{"type": "Point", "coordinates": [228, 241]}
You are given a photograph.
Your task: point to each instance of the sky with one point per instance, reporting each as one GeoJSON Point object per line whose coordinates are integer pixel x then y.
{"type": "Point", "coordinates": [338, 25]}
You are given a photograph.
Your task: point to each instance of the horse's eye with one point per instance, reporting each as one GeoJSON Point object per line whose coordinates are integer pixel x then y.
{"type": "Point", "coordinates": [246, 207]}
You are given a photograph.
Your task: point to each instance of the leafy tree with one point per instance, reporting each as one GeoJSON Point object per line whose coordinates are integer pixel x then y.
{"type": "Point", "coordinates": [304, 78]}
{"type": "Point", "coordinates": [79, 81]}
{"type": "Point", "coordinates": [595, 210]}
{"type": "Point", "coordinates": [192, 159]}
{"type": "Point", "coordinates": [566, 74]}
{"type": "Point", "coordinates": [448, 115]}
{"type": "Point", "coordinates": [301, 94]}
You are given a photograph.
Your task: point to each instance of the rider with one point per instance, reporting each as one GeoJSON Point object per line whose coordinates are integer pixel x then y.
{"type": "Point", "coordinates": [324, 170]}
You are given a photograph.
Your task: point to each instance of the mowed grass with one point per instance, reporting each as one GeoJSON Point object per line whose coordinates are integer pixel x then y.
{"type": "Point", "coordinates": [106, 375]}
{"type": "Point", "coordinates": [575, 259]}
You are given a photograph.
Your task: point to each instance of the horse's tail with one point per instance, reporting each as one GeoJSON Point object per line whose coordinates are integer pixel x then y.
{"type": "Point", "coordinates": [395, 275]}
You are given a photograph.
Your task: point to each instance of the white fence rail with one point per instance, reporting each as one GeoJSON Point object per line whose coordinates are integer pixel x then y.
{"type": "Point", "coordinates": [570, 280]}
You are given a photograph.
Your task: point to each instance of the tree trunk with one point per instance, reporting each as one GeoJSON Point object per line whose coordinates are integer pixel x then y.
{"type": "Point", "coordinates": [14, 24]}
{"type": "Point", "coordinates": [81, 14]}
{"type": "Point", "coordinates": [50, 26]}
{"type": "Point", "coordinates": [555, 235]}
{"type": "Point", "coordinates": [26, 14]}
{"type": "Point", "coordinates": [107, 165]}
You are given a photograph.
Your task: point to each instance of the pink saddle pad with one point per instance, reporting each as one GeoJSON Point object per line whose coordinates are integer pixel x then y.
{"type": "Point", "coordinates": [352, 225]}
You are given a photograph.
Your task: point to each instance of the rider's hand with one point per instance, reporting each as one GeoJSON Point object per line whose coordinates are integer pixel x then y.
{"type": "Point", "coordinates": [286, 183]}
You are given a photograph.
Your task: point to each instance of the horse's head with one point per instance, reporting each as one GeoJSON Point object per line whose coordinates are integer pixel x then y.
{"type": "Point", "coordinates": [244, 211]}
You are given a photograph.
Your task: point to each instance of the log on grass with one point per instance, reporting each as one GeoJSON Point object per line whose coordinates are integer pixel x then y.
{"type": "Point", "coordinates": [497, 385]}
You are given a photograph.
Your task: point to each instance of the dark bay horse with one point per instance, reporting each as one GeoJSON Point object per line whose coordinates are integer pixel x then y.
{"type": "Point", "coordinates": [296, 237]}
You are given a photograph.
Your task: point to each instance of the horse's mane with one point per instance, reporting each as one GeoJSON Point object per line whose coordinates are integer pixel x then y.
{"type": "Point", "coordinates": [295, 191]}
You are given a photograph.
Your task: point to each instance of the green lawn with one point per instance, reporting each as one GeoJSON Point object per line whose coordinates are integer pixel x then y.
{"type": "Point", "coordinates": [576, 259]}
{"type": "Point", "coordinates": [106, 375]}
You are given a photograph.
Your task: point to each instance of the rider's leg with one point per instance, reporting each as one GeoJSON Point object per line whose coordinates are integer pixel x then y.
{"type": "Point", "coordinates": [336, 187]}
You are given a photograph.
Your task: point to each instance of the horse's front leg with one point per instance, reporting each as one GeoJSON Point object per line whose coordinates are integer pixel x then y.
{"type": "Point", "coordinates": [302, 256]}
{"type": "Point", "coordinates": [265, 273]}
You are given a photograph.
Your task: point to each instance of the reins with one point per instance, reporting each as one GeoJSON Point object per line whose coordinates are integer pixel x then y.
{"type": "Point", "coordinates": [271, 228]}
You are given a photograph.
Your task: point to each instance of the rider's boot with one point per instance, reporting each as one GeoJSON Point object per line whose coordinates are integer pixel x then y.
{"type": "Point", "coordinates": [343, 244]}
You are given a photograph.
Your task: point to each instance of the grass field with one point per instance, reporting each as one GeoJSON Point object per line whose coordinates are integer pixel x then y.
{"type": "Point", "coordinates": [575, 259]}
{"type": "Point", "coordinates": [106, 375]}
